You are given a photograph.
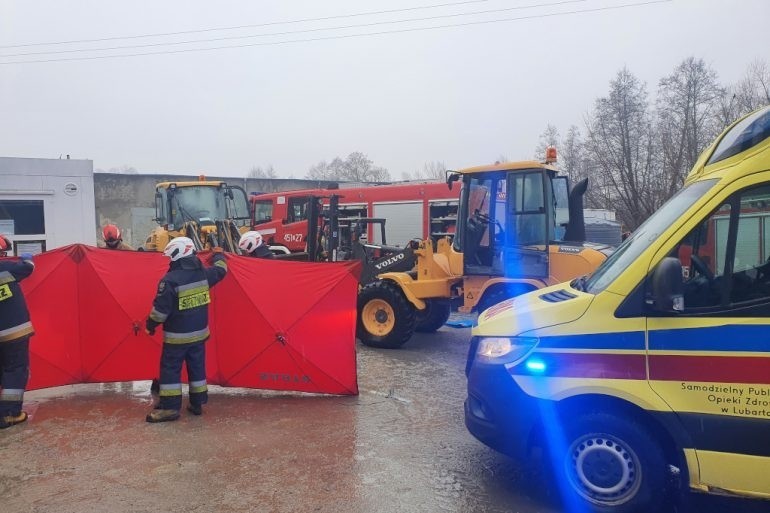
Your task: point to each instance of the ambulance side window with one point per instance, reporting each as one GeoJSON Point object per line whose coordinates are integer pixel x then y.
{"type": "Point", "coordinates": [726, 259]}
{"type": "Point", "coordinates": [751, 265]}
{"type": "Point", "coordinates": [702, 255]}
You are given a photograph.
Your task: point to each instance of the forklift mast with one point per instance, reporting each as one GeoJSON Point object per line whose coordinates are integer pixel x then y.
{"type": "Point", "coordinates": [333, 238]}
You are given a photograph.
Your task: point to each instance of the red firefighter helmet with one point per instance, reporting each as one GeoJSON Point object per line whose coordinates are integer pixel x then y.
{"type": "Point", "coordinates": [5, 245]}
{"type": "Point", "coordinates": [111, 235]}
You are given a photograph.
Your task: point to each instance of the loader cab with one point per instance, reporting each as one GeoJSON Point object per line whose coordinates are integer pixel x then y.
{"type": "Point", "coordinates": [508, 218]}
{"type": "Point", "coordinates": [202, 203]}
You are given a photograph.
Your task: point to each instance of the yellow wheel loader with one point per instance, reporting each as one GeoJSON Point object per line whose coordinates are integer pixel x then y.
{"type": "Point", "coordinates": [210, 212]}
{"type": "Point", "coordinates": [519, 228]}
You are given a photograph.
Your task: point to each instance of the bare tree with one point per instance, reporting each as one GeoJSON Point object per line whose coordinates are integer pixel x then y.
{"type": "Point", "coordinates": [688, 103]}
{"type": "Point", "coordinates": [573, 162]}
{"type": "Point", "coordinates": [621, 152]}
{"type": "Point", "coordinates": [357, 167]}
{"type": "Point", "coordinates": [636, 158]}
{"type": "Point", "coordinates": [750, 93]}
{"type": "Point", "coordinates": [753, 91]}
{"type": "Point", "coordinates": [260, 172]}
{"type": "Point", "coordinates": [433, 170]}
{"type": "Point", "coordinates": [571, 154]}
{"type": "Point", "coordinates": [727, 109]}
{"type": "Point", "coordinates": [323, 171]}
{"type": "Point", "coordinates": [337, 169]}
{"type": "Point", "coordinates": [318, 171]}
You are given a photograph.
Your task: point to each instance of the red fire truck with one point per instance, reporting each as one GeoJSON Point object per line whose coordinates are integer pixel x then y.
{"type": "Point", "coordinates": [411, 210]}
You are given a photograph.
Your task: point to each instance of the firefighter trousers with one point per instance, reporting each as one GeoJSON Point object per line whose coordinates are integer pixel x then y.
{"type": "Point", "coordinates": [171, 360]}
{"type": "Point", "coordinates": [14, 373]}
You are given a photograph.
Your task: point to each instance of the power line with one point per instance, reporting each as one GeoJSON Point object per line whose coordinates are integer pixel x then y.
{"type": "Point", "coordinates": [266, 24]}
{"type": "Point", "coordinates": [290, 32]}
{"type": "Point", "coordinates": [348, 36]}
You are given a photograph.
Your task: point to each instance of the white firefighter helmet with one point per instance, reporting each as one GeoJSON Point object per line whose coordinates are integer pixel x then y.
{"type": "Point", "coordinates": [179, 247]}
{"type": "Point", "coordinates": [250, 241]}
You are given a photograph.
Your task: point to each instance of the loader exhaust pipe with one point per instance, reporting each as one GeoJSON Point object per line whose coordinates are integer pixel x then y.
{"type": "Point", "coordinates": [576, 229]}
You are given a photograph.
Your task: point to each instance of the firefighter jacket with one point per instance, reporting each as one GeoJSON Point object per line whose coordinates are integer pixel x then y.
{"type": "Point", "coordinates": [14, 316]}
{"type": "Point", "coordinates": [122, 246]}
{"type": "Point", "coordinates": [262, 251]}
{"type": "Point", "coordinates": [182, 301]}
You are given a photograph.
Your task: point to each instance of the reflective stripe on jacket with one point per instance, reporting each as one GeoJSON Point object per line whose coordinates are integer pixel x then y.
{"type": "Point", "coordinates": [181, 303]}
{"type": "Point", "coordinates": [14, 316]}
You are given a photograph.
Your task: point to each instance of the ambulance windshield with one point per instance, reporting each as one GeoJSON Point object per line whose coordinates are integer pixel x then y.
{"type": "Point", "coordinates": [644, 236]}
{"type": "Point", "coordinates": [746, 134]}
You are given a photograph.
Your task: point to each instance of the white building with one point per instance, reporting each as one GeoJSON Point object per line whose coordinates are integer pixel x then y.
{"type": "Point", "coordinates": [46, 203]}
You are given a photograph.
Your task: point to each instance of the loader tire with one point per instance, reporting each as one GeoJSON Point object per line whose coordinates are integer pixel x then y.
{"type": "Point", "coordinates": [434, 316]}
{"type": "Point", "coordinates": [385, 318]}
{"type": "Point", "coordinates": [499, 294]}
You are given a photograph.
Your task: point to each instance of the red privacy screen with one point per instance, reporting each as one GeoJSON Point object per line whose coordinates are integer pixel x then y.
{"type": "Point", "coordinates": [275, 325]}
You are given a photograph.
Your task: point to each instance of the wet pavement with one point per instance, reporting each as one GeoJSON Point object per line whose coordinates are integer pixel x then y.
{"type": "Point", "coordinates": [400, 446]}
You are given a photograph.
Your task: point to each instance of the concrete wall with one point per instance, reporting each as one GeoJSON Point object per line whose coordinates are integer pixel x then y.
{"type": "Point", "coordinates": [128, 200]}
{"type": "Point", "coordinates": [65, 187]}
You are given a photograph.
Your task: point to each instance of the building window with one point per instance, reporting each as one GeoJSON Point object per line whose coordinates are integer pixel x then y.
{"type": "Point", "coordinates": [22, 217]}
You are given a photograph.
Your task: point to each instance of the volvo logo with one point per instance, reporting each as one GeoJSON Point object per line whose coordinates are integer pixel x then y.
{"type": "Point", "coordinates": [390, 261]}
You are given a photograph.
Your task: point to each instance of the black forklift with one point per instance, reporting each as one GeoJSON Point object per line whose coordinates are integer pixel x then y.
{"type": "Point", "coordinates": [333, 237]}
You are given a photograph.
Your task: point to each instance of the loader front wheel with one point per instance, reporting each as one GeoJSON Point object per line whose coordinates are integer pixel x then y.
{"type": "Point", "coordinates": [385, 318]}
{"type": "Point", "coordinates": [434, 316]}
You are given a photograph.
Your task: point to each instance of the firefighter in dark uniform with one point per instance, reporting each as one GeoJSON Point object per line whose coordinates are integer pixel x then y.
{"type": "Point", "coordinates": [181, 305]}
{"type": "Point", "coordinates": [252, 245]}
{"type": "Point", "coordinates": [15, 331]}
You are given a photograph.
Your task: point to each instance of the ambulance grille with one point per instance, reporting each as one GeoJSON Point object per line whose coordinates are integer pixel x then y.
{"type": "Point", "coordinates": [557, 296]}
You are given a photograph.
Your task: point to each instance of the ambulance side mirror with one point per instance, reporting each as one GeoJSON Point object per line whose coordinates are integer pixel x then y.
{"type": "Point", "coordinates": [668, 287]}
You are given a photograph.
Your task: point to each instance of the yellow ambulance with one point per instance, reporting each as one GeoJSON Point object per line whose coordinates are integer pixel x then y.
{"type": "Point", "coordinates": [656, 368]}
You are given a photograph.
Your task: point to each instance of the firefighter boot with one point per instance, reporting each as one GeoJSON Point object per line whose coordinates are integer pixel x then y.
{"type": "Point", "coordinates": [195, 409]}
{"type": "Point", "coordinates": [159, 415]}
{"type": "Point", "coordinates": [155, 386]}
{"type": "Point", "coordinates": [10, 420]}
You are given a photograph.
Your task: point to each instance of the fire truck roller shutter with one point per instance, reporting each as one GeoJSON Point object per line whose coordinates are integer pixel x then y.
{"type": "Point", "coordinates": [404, 221]}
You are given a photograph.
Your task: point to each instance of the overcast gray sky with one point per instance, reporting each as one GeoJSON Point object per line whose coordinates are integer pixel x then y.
{"type": "Point", "coordinates": [463, 95]}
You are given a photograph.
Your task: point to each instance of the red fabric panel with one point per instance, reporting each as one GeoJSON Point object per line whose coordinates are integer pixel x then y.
{"type": "Point", "coordinates": [286, 325]}
{"type": "Point", "coordinates": [51, 293]}
{"type": "Point", "coordinates": [275, 325]}
{"type": "Point", "coordinates": [116, 293]}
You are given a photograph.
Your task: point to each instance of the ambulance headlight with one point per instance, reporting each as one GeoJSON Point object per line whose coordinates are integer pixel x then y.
{"type": "Point", "coordinates": [510, 349]}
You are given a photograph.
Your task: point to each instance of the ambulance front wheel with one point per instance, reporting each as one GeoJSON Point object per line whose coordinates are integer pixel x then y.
{"type": "Point", "coordinates": [611, 464]}
{"type": "Point", "coordinates": [385, 318]}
